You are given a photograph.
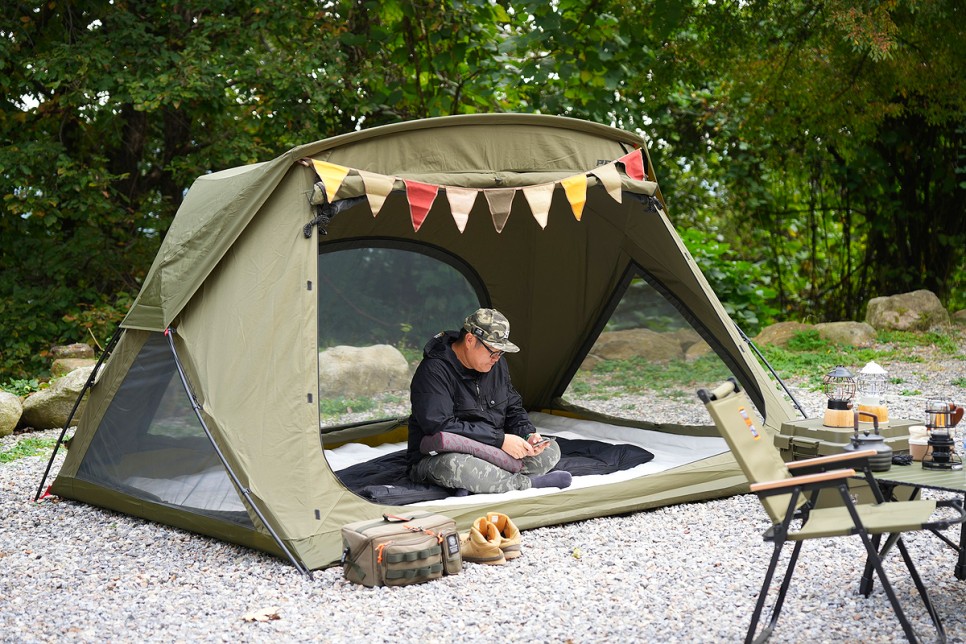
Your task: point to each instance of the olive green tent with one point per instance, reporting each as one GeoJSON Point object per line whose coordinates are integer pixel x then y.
{"type": "Point", "coordinates": [210, 414]}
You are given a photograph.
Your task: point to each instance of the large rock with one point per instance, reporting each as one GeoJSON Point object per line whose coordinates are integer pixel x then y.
{"type": "Point", "coordinates": [76, 350]}
{"type": "Point", "coordinates": [357, 372]}
{"type": "Point", "coordinates": [915, 311]}
{"type": "Point", "coordinates": [10, 411]}
{"type": "Point", "coordinates": [958, 318]}
{"type": "Point", "coordinates": [63, 366]}
{"type": "Point", "coordinates": [637, 343]}
{"type": "Point", "coordinates": [49, 408]}
{"type": "Point", "coordinates": [855, 334]}
{"type": "Point", "coordinates": [780, 333]}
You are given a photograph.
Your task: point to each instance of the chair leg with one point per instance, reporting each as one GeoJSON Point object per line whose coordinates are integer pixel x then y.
{"type": "Point", "coordinates": [876, 561]}
{"type": "Point", "coordinates": [763, 595]}
{"type": "Point", "coordinates": [923, 593]}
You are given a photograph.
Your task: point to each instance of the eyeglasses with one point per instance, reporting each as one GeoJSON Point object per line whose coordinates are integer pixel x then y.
{"type": "Point", "coordinates": [493, 354]}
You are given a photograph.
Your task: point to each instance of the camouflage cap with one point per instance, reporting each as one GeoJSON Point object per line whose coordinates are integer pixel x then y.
{"type": "Point", "coordinates": [492, 327]}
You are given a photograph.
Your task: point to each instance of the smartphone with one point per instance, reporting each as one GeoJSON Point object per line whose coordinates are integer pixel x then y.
{"type": "Point", "coordinates": [545, 440]}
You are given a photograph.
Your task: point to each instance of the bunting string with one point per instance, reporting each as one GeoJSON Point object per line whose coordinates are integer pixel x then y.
{"type": "Point", "coordinates": [422, 196]}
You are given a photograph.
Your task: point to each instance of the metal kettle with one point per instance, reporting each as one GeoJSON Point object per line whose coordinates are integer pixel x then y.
{"type": "Point", "coordinates": [882, 461]}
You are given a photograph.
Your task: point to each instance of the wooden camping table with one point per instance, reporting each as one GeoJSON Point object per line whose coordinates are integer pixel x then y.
{"type": "Point", "coordinates": [918, 478]}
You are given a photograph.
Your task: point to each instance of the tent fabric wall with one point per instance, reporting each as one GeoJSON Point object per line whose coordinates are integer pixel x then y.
{"type": "Point", "coordinates": [236, 279]}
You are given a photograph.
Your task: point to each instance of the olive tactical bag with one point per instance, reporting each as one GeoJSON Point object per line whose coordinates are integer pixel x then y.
{"type": "Point", "coordinates": [400, 550]}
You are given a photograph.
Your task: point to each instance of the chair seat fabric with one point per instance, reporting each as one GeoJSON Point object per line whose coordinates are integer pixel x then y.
{"type": "Point", "coordinates": [877, 519]}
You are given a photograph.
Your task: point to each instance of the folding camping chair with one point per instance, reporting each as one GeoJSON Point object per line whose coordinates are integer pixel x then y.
{"type": "Point", "coordinates": [789, 491]}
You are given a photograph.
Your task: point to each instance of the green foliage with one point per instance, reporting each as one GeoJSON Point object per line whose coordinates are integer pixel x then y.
{"type": "Point", "coordinates": [742, 286]}
{"type": "Point", "coordinates": [27, 446]}
{"type": "Point", "coordinates": [21, 386]}
{"type": "Point", "coordinates": [811, 152]}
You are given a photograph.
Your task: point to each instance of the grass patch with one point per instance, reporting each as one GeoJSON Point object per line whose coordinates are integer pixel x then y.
{"type": "Point", "coordinates": [340, 406]}
{"type": "Point", "coordinates": [637, 375]}
{"type": "Point", "coordinates": [26, 447]}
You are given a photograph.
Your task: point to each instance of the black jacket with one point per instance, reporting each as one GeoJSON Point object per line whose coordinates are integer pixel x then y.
{"type": "Point", "coordinates": [448, 397]}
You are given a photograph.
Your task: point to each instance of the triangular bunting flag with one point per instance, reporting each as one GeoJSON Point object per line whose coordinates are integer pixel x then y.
{"type": "Point", "coordinates": [332, 176]}
{"type": "Point", "coordinates": [539, 198]}
{"type": "Point", "coordinates": [421, 197]}
{"type": "Point", "coordinates": [576, 189]}
{"type": "Point", "coordinates": [634, 164]}
{"type": "Point", "coordinates": [500, 200]}
{"type": "Point", "coordinates": [461, 201]}
{"type": "Point", "coordinates": [378, 187]}
{"type": "Point", "coordinates": [611, 178]}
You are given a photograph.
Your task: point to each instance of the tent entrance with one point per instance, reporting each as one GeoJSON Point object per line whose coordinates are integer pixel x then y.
{"type": "Point", "coordinates": [150, 444]}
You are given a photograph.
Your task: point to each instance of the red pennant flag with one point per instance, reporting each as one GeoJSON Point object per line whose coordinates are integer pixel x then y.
{"type": "Point", "coordinates": [421, 197]}
{"type": "Point", "coordinates": [634, 164]}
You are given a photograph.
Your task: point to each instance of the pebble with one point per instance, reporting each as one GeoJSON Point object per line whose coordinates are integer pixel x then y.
{"type": "Point", "coordinates": [685, 573]}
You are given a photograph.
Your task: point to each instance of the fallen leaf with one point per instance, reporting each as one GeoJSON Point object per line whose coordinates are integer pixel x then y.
{"type": "Point", "coordinates": [262, 615]}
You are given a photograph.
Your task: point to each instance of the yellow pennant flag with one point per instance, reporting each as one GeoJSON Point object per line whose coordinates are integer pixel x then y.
{"type": "Point", "coordinates": [378, 187]}
{"type": "Point", "coordinates": [539, 198]}
{"type": "Point", "coordinates": [332, 176]}
{"type": "Point", "coordinates": [576, 189]}
{"type": "Point", "coordinates": [500, 201]}
{"type": "Point", "coordinates": [461, 202]}
{"type": "Point", "coordinates": [610, 178]}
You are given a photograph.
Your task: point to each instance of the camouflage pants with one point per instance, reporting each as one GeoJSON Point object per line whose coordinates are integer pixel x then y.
{"type": "Point", "coordinates": [463, 471]}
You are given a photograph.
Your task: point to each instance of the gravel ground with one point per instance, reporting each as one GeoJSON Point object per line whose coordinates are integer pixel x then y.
{"type": "Point", "coordinates": [687, 573]}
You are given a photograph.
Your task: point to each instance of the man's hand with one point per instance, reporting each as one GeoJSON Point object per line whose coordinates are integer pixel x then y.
{"type": "Point", "coordinates": [535, 438]}
{"type": "Point", "coordinates": [516, 446]}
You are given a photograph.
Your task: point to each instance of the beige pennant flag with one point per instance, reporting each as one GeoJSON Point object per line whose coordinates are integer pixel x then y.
{"type": "Point", "coordinates": [332, 176]}
{"type": "Point", "coordinates": [500, 201]}
{"type": "Point", "coordinates": [461, 202]}
{"type": "Point", "coordinates": [378, 187]}
{"type": "Point", "coordinates": [540, 198]}
{"type": "Point", "coordinates": [610, 177]}
{"type": "Point", "coordinates": [576, 189]}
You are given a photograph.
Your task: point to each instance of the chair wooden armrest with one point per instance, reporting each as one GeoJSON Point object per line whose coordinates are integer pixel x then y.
{"type": "Point", "coordinates": [807, 479]}
{"type": "Point", "coordinates": [822, 463]}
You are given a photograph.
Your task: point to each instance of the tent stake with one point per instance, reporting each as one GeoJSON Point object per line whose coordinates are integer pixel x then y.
{"type": "Point", "coordinates": [87, 385]}
{"type": "Point", "coordinates": [169, 333]}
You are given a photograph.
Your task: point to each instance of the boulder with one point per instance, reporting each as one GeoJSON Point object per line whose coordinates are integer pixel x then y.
{"type": "Point", "coordinates": [357, 372]}
{"type": "Point", "coordinates": [76, 350]}
{"type": "Point", "coordinates": [590, 362]}
{"type": "Point", "coordinates": [855, 334]}
{"type": "Point", "coordinates": [10, 411]}
{"type": "Point", "coordinates": [958, 318]}
{"type": "Point", "coordinates": [49, 408]}
{"type": "Point", "coordinates": [780, 333]}
{"type": "Point", "coordinates": [697, 350]}
{"type": "Point", "coordinates": [637, 343]}
{"type": "Point", "coordinates": [915, 311]}
{"type": "Point", "coordinates": [686, 338]}
{"type": "Point", "coordinates": [63, 366]}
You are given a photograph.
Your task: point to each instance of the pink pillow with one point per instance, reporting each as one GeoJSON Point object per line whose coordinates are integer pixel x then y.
{"type": "Point", "coordinates": [441, 442]}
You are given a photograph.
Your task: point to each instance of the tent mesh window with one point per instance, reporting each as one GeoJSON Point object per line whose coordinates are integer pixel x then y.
{"type": "Point", "coordinates": [378, 306]}
{"type": "Point", "coordinates": [647, 362]}
{"type": "Point", "coordinates": [151, 445]}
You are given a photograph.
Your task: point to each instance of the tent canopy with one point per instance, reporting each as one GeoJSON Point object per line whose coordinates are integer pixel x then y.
{"type": "Point", "coordinates": [549, 219]}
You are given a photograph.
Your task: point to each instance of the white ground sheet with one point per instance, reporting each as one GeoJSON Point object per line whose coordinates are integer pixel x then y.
{"type": "Point", "coordinates": [670, 450]}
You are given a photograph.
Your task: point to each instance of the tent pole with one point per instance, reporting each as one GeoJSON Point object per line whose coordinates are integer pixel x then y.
{"type": "Point", "coordinates": [87, 385]}
{"type": "Point", "coordinates": [169, 333]}
{"type": "Point", "coordinates": [773, 372]}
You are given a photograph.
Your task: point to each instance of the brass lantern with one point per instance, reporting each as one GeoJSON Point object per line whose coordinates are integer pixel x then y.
{"type": "Point", "coordinates": [839, 387]}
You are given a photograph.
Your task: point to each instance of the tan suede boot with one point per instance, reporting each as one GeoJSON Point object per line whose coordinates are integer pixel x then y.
{"type": "Point", "coordinates": [510, 537]}
{"type": "Point", "coordinates": [482, 544]}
